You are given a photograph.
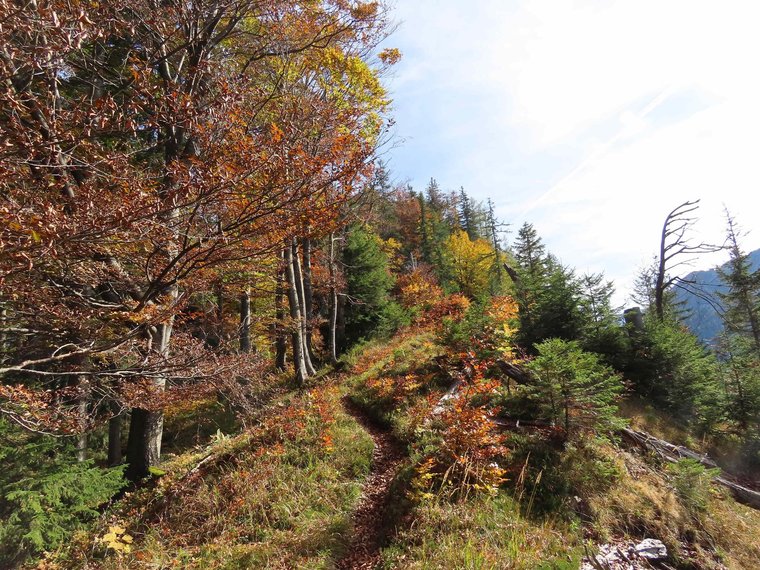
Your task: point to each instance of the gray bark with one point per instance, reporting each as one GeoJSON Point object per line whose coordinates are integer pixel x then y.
{"type": "Point", "coordinates": [3, 335]}
{"type": "Point", "coordinates": [280, 340]}
{"type": "Point", "coordinates": [245, 321]}
{"type": "Point", "coordinates": [298, 275]}
{"type": "Point", "coordinates": [82, 410]}
{"type": "Point", "coordinates": [308, 296]}
{"type": "Point", "coordinates": [331, 334]}
{"type": "Point", "coordinates": [147, 426]}
{"type": "Point", "coordinates": [673, 453]}
{"type": "Point", "coordinates": [299, 363]}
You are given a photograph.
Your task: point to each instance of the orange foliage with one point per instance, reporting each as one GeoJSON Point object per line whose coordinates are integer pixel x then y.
{"type": "Point", "coordinates": [419, 289]}
{"type": "Point", "coordinates": [454, 307]}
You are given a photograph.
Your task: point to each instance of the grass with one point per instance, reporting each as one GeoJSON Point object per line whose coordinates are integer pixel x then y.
{"type": "Point", "coordinates": [591, 489]}
{"type": "Point", "coordinates": [280, 496]}
{"type": "Point", "coordinates": [485, 532]}
{"type": "Point", "coordinates": [644, 417]}
{"type": "Point", "coordinates": [282, 493]}
{"type": "Point", "coordinates": [399, 383]}
{"type": "Point", "coordinates": [395, 382]}
{"type": "Point", "coordinates": [645, 502]}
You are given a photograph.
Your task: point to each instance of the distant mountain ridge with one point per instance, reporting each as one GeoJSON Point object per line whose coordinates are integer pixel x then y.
{"type": "Point", "coordinates": [703, 320]}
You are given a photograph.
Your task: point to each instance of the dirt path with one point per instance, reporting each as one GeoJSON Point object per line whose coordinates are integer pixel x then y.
{"type": "Point", "coordinates": [364, 550]}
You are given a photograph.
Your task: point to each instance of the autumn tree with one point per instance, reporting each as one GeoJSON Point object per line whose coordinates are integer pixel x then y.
{"type": "Point", "coordinates": [151, 145]}
{"type": "Point", "coordinates": [470, 263]}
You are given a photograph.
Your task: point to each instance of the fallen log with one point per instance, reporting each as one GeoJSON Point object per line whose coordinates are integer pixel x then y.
{"type": "Point", "coordinates": [673, 453]}
{"type": "Point", "coordinates": [644, 439]}
{"type": "Point", "coordinates": [514, 372]}
{"type": "Point", "coordinates": [516, 424]}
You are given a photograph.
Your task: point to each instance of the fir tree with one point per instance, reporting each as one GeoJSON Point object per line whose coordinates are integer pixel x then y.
{"type": "Point", "coordinates": [369, 282]}
{"type": "Point", "coordinates": [575, 389]}
{"type": "Point", "coordinates": [467, 215]}
{"type": "Point", "coordinates": [742, 299]}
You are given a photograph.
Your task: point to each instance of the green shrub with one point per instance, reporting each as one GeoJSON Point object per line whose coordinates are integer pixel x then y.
{"type": "Point", "coordinates": [692, 482]}
{"type": "Point", "coordinates": [45, 495]}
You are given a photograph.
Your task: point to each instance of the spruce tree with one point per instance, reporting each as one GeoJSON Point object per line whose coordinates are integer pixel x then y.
{"type": "Point", "coordinates": [547, 292]}
{"type": "Point", "coordinates": [466, 215]}
{"type": "Point", "coordinates": [574, 388]}
{"type": "Point", "coordinates": [741, 301]}
{"type": "Point", "coordinates": [600, 327]}
{"type": "Point", "coordinates": [529, 251]}
{"type": "Point", "coordinates": [368, 281]}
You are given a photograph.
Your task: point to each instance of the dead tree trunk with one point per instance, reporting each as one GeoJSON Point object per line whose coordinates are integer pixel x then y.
{"type": "Point", "coordinates": [672, 453]}
{"type": "Point", "coordinates": [675, 250]}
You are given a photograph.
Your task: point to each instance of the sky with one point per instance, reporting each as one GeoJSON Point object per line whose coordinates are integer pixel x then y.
{"type": "Point", "coordinates": [591, 119]}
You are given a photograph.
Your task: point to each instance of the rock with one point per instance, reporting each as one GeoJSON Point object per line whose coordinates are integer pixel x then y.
{"type": "Point", "coordinates": [652, 549]}
{"type": "Point", "coordinates": [626, 556]}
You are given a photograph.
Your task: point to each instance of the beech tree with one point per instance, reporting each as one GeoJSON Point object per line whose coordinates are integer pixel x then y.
{"type": "Point", "coordinates": [470, 263]}
{"type": "Point", "coordinates": [146, 146]}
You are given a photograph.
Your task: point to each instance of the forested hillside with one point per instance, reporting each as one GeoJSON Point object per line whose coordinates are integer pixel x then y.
{"type": "Point", "coordinates": [231, 338]}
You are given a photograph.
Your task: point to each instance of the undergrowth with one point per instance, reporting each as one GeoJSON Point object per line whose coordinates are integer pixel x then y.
{"type": "Point", "coordinates": [469, 495]}
{"type": "Point", "coordinates": [280, 495]}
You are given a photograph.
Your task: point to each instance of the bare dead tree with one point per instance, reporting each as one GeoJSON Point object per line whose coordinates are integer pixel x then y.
{"type": "Point", "coordinates": [676, 250]}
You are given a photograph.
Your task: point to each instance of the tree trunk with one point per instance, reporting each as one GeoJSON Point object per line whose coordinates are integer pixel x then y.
{"type": "Point", "coordinates": [245, 321]}
{"type": "Point", "coordinates": [219, 313]}
{"type": "Point", "coordinates": [144, 443]}
{"type": "Point", "coordinates": [83, 384]}
{"type": "Point", "coordinates": [299, 362]}
{"type": "Point", "coordinates": [672, 453]}
{"type": "Point", "coordinates": [298, 275]}
{"type": "Point", "coordinates": [146, 426]}
{"type": "Point", "coordinates": [114, 436]}
{"type": "Point", "coordinates": [340, 323]}
{"type": "Point", "coordinates": [308, 296]}
{"type": "Point", "coordinates": [3, 335]}
{"type": "Point", "coordinates": [331, 338]}
{"type": "Point", "coordinates": [280, 341]}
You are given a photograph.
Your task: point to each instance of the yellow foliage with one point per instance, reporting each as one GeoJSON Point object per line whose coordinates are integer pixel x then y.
{"type": "Point", "coordinates": [471, 263]}
{"type": "Point", "coordinates": [502, 313]}
{"type": "Point", "coordinates": [419, 290]}
{"type": "Point", "coordinates": [117, 539]}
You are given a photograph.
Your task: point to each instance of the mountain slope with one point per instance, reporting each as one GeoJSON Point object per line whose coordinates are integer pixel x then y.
{"type": "Point", "coordinates": [703, 320]}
